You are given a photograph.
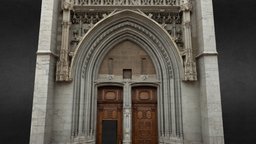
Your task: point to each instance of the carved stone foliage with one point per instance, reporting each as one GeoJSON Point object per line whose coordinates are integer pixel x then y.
{"type": "Point", "coordinates": [176, 23]}
{"type": "Point", "coordinates": [126, 2]}
{"type": "Point", "coordinates": [172, 22]}
{"type": "Point", "coordinates": [81, 23]}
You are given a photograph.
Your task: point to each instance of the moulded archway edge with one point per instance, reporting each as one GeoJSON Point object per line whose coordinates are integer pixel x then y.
{"type": "Point", "coordinates": [149, 35]}
{"type": "Point", "coordinates": [114, 21]}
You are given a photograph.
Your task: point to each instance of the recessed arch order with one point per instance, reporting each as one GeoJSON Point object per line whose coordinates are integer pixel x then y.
{"type": "Point", "coordinates": [134, 26]}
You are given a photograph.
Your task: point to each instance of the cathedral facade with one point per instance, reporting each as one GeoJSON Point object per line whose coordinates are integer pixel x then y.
{"type": "Point", "coordinates": [127, 72]}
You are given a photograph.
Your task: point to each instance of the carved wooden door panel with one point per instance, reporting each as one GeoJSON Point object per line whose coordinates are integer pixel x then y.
{"type": "Point", "coordinates": [109, 115]}
{"type": "Point", "coordinates": [144, 115]}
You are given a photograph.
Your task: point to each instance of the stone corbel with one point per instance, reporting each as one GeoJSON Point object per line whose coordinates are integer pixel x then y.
{"type": "Point", "coordinates": [63, 64]}
{"type": "Point", "coordinates": [190, 70]}
{"type": "Point", "coordinates": [186, 6]}
{"type": "Point", "coordinates": [67, 6]}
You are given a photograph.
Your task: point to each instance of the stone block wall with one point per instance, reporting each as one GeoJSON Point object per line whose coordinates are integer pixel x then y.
{"type": "Point", "coordinates": [42, 112]}
{"type": "Point", "coordinates": [201, 103]}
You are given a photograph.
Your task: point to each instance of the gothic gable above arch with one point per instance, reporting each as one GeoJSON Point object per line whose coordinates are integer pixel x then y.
{"type": "Point", "coordinates": [81, 17]}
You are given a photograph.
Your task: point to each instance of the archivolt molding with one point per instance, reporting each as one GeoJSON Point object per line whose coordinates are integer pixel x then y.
{"type": "Point", "coordinates": [130, 26]}
{"type": "Point", "coordinates": [127, 2]}
{"type": "Point", "coordinates": [78, 20]}
{"type": "Point", "coordinates": [138, 28]}
{"type": "Point", "coordinates": [127, 25]}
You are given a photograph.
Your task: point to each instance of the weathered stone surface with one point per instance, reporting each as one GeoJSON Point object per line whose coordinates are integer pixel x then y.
{"type": "Point", "coordinates": [211, 113]}
{"type": "Point", "coordinates": [175, 43]}
{"type": "Point", "coordinates": [42, 112]}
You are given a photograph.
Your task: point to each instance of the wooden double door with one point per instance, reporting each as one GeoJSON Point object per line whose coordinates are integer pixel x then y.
{"type": "Point", "coordinates": [110, 115]}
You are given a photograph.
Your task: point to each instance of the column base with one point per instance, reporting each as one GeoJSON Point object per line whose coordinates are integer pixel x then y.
{"type": "Point", "coordinates": [170, 140]}
{"type": "Point", "coordinates": [83, 140]}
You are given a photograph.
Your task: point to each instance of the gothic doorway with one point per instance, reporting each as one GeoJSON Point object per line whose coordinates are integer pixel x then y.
{"type": "Point", "coordinates": [131, 106]}
{"type": "Point", "coordinates": [109, 119]}
{"type": "Point", "coordinates": [118, 45]}
{"type": "Point", "coordinates": [129, 54]}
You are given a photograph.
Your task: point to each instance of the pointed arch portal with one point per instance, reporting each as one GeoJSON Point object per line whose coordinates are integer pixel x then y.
{"type": "Point", "coordinates": [136, 27]}
{"type": "Point", "coordinates": [151, 85]}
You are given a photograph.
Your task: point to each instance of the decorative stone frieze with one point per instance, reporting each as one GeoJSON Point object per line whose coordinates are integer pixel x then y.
{"type": "Point", "coordinates": [78, 21]}
{"type": "Point", "coordinates": [126, 2]}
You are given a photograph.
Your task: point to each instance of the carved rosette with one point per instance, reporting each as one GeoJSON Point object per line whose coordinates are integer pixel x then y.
{"type": "Point", "coordinates": [78, 19]}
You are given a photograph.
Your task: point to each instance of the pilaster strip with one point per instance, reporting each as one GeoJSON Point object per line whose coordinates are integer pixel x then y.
{"type": "Point", "coordinates": [63, 64]}
{"type": "Point", "coordinates": [210, 99]}
{"type": "Point", "coordinates": [189, 62]}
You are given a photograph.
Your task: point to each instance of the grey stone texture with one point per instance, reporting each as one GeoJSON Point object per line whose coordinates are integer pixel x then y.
{"type": "Point", "coordinates": [211, 113]}
{"type": "Point", "coordinates": [65, 112]}
{"type": "Point", "coordinates": [42, 112]}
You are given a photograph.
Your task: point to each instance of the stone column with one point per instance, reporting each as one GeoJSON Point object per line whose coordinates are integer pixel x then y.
{"type": "Point", "coordinates": [127, 114]}
{"type": "Point", "coordinates": [210, 100]}
{"type": "Point", "coordinates": [41, 122]}
{"type": "Point", "coordinates": [62, 69]}
{"type": "Point", "coordinates": [189, 62]}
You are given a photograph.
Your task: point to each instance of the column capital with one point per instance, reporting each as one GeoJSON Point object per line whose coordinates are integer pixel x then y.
{"type": "Point", "coordinates": [67, 6]}
{"type": "Point", "coordinates": [186, 6]}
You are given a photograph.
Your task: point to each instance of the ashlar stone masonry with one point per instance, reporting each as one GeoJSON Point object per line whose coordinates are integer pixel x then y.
{"type": "Point", "coordinates": [127, 71]}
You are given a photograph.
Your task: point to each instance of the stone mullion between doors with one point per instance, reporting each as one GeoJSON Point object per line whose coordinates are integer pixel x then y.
{"type": "Point", "coordinates": [127, 114]}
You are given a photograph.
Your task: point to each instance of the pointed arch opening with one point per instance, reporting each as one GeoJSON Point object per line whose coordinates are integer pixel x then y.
{"type": "Point", "coordinates": [137, 28]}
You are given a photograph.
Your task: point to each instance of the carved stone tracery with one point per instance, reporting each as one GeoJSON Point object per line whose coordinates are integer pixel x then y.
{"type": "Point", "coordinates": [76, 23]}
{"type": "Point", "coordinates": [126, 2]}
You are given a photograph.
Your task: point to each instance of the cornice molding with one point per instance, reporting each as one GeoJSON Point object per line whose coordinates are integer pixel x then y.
{"type": "Point", "coordinates": [203, 54]}
{"type": "Point", "coordinates": [40, 52]}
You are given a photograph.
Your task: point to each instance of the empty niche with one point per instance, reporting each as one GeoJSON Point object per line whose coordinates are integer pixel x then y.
{"type": "Point", "coordinates": [143, 66]}
{"type": "Point", "coordinates": [127, 73]}
{"type": "Point", "coordinates": [110, 66]}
